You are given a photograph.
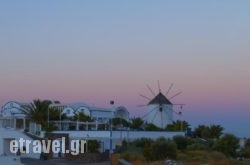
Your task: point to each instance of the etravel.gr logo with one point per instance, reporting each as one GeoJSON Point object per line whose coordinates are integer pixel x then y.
{"type": "Point", "coordinates": [39, 146]}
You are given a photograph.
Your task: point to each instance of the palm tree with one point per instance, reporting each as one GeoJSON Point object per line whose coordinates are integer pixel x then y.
{"type": "Point", "coordinates": [213, 131]}
{"type": "Point", "coordinates": [216, 131]}
{"type": "Point", "coordinates": [136, 123]}
{"type": "Point", "coordinates": [118, 123]}
{"type": "Point", "coordinates": [202, 131]}
{"type": "Point", "coordinates": [178, 125]}
{"type": "Point", "coordinates": [37, 111]}
{"type": "Point", "coordinates": [40, 112]}
{"type": "Point", "coordinates": [152, 127]}
{"type": "Point", "coordinates": [80, 116]}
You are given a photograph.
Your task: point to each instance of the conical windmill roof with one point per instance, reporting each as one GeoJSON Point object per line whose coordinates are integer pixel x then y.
{"type": "Point", "coordinates": [159, 99]}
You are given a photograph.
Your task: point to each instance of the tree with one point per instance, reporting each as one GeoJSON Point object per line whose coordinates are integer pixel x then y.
{"type": "Point", "coordinates": [152, 127]}
{"type": "Point", "coordinates": [119, 122]}
{"type": "Point", "coordinates": [136, 123]}
{"type": "Point", "coordinates": [170, 127]}
{"type": "Point", "coordinates": [216, 131]}
{"type": "Point", "coordinates": [37, 111]}
{"type": "Point", "coordinates": [227, 144]}
{"type": "Point", "coordinates": [40, 111]}
{"type": "Point", "coordinates": [80, 116]}
{"type": "Point", "coordinates": [209, 132]}
{"type": "Point", "coordinates": [202, 131]}
{"type": "Point", "coordinates": [55, 114]}
{"type": "Point", "coordinates": [178, 125]}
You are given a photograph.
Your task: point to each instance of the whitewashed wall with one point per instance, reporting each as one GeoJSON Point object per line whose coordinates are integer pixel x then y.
{"type": "Point", "coordinates": [15, 134]}
{"type": "Point", "coordinates": [160, 119]}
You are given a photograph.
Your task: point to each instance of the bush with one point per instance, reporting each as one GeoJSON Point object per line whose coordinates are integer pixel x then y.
{"type": "Point", "coordinates": [162, 149]}
{"type": "Point", "coordinates": [199, 144]}
{"type": "Point", "coordinates": [246, 152]}
{"type": "Point", "coordinates": [227, 145]}
{"type": "Point", "coordinates": [196, 146]}
{"type": "Point", "coordinates": [93, 145]}
{"type": "Point", "coordinates": [142, 142]}
{"type": "Point", "coordinates": [147, 152]}
{"type": "Point", "coordinates": [181, 142]}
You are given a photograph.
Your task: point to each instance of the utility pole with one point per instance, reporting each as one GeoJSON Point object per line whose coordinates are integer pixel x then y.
{"type": "Point", "coordinates": [111, 118]}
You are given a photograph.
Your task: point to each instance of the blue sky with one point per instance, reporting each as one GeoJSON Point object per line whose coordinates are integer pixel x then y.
{"type": "Point", "coordinates": [94, 51]}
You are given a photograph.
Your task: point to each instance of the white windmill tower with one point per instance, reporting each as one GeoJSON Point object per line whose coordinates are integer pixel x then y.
{"type": "Point", "coordinates": [160, 109]}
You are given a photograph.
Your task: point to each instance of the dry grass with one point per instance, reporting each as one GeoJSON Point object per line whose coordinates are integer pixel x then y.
{"type": "Point", "coordinates": [202, 157]}
{"type": "Point", "coordinates": [237, 162]}
{"type": "Point", "coordinates": [219, 162]}
{"type": "Point", "coordinates": [188, 158]}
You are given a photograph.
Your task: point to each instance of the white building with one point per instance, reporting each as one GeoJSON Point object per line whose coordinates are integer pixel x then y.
{"type": "Point", "coordinates": [99, 116]}
{"type": "Point", "coordinates": [13, 121]}
{"type": "Point", "coordinates": [12, 116]}
{"type": "Point", "coordinates": [96, 113]}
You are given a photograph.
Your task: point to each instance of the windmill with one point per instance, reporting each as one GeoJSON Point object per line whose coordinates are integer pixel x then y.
{"type": "Point", "coordinates": [160, 108]}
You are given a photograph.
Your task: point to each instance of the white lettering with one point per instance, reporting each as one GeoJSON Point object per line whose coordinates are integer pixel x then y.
{"type": "Point", "coordinates": [37, 146]}
{"type": "Point", "coordinates": [13, 146]}
{"type": "Point", "coordinates": [83, 142]}
{"type": "Point", "coordinates": [74, 147]}
{"type": "Point", "coordinates": [56, 146]}
{"type": "Point", "coordinates": [46, 147]}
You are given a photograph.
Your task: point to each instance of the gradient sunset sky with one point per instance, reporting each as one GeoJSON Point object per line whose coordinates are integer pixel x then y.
{"type": "Point", "coordinates": [96, 51]}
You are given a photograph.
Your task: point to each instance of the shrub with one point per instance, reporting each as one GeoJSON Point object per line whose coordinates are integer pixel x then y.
{"type": "Point", "coordinates": [181, 142]}
{"type": "Point", "coordinates": [93, 145]}
{"type": "Point", "coordinates": [162, 149]}
{"type": "Point", "coordinates": [197, 146]}
{"type": "Point", "coordinates": [227, 145]}
{"type": "Point", "coordinates": [246, 152]}
{"type": "Point", "coordinates": [147, 152]}
{"type": "Point", "coordinates": [142, 142]}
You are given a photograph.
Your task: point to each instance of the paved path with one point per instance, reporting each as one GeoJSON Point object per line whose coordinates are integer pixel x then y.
{"type": "Point", "coordinates": [10, 160]}
{"type": "Point", "coordinates": [28, 161]}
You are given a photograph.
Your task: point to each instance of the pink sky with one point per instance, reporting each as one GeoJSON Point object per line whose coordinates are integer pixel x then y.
{"type": "Point", "coordinates": [91, 52]}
